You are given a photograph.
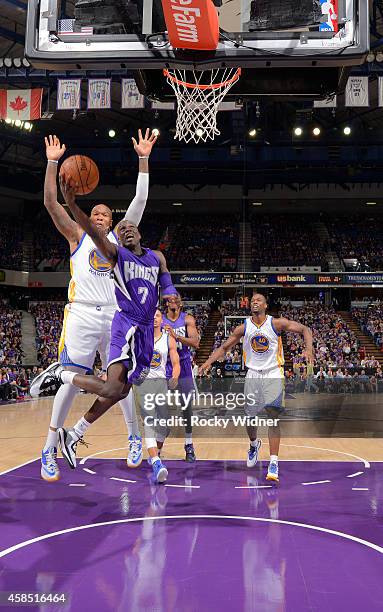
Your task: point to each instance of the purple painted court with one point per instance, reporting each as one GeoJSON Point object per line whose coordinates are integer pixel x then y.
{"type": "Point", "coordinates": [217, 538]}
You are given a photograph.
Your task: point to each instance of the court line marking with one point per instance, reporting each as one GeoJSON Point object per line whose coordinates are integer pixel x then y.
{"type": "Point", "coordinates": [77, 484]}
{"type": "Point", "coordinates": [255, 487]}
{"type": "Point", "coordinates": [316, 482]}
{"type": "Point", "coordinates": [359, 489]}
{"type": "Point", "coordinates": [178, 486]}
{"type": "Point", "coordinates": [89, 471]}
{"type": "Point", "coordinates": [121, 479]}
{"type": "Point", "coordinates": [47, 536]}
{"type": "Point", "coordinates": [19, 466]}
{"type": "Point", "coordinates": [366, 463]}
{"type": "Point", "coordinates": [353, 475]}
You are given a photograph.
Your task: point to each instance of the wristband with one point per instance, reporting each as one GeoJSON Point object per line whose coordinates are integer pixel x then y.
{"type": "Point", "coordinates": [53, 161]}
{"type": "Point", "coordinates": [143, 157]}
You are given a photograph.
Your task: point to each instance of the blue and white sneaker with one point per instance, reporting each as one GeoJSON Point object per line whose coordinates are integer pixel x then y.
{"type": "Point", "coordinates": [253, 453]}
{"type": "Point", "coordinates": [159, 470]}
{"type": "Point", "coordinates": [272, 471]}
{"type": "Point", "coordinates": [49, 468]}
{"type": "Point", "coordinates": [134, 458]}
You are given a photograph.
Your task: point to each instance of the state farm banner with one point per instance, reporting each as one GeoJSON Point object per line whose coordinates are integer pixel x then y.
{"type": "Point", "coordinates": [130, 96]}
{"type": "Point", "coordinates": [357, 93]}
{"type": "Point", "coordinates": [68, 94]}
{"type": "Point", "coordinates": [99, 93]}
{"type": "Point", "coordinates": [191, 25]}
{"type": "Point", "coordinates": [22, 104]}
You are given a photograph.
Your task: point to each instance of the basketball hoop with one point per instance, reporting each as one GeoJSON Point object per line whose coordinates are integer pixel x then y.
{"type": "Point", "coordinates": [199, 95]}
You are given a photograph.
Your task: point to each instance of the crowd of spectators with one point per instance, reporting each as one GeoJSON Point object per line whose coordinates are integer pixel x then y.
{"type": "Point", "coordinates": [51, 250]}
{"type": "Point", "coordinates": [370, 320]}
{"type": "Point", "coordinates": [48, 321]}
{"type": "Point", "coordinates": [15, 382]}
{"type": "Point", "coordinates": [208, 243]}
{"type": "Point", "coordinates": [285, 240]}
{"type": "Point", "coordinates": [358, 237]}
{"type": "Point", "coordinates": [10, 336]}
{"type": "Point", "coordinates": [11, 244]}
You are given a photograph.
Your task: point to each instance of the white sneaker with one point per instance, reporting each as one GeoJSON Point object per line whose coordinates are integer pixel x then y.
{"type": "Point", "coordinates": [49, 380]}
{"type": "Point", "coordinates": [253, 453]}
{"type": "Point", "coordinates": [134, 458]}
{"type": "Point", "coordinates": [272, 471]}
{"type": "Point", "coordinates": [49, 468]}
{"type": "Point", "coordinates": [68, 440]}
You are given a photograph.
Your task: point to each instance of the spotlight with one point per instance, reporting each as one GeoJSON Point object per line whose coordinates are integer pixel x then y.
{"type": "Point", "coordinates": [316, 131]}
{"type": "Point", "coordinates": [156, 132]}
{"type": "Point", "coordinates": [177, 203]}
{"type": "Point", "coordinates": [347, 130]}
{"type": "Point", "coordinates": [17, 62]}
{"type": "Point", "coordinates": [25, 62]}
{"type": "Point", "coordinates": [18, 123]}
{"type": "Point", "coordinates": [379, 56]}
{"type": "Point", "coordinates": [28, 126]}
{"type": "Point", "coordinates": [298, 131]}
{"type": "Point", "coordinates": [111, 133]}
{"type": "Point", "coordinates": [8, 62]}
{"type": "Point", "coordinates": [252, 132]}
{"type": "Point", "coordinates": [8, 121]}
{"type": "Point", "coordinates": [199, 132]}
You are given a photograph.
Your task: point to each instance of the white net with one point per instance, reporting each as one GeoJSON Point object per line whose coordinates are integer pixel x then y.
{"type": "Point", "coordinates": [199, 95]}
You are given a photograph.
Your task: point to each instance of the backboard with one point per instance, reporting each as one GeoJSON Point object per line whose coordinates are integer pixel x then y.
{"type": "Point", "coordinates": [254, 33]}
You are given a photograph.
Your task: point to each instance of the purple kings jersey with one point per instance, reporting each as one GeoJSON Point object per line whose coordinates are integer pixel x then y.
{"type": "Point", "coordinates": [136, 278]}
{"type": "Point", "coordinates": [179, 327]}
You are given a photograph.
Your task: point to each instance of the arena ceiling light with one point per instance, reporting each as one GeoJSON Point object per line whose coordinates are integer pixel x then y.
{"type": "Point", "coordinates": [17, 123]}
{"type": "Point", "coordinates": [317, 131]}
{"type": "Point", "coordinates": [252, 132]}
{"type": "Point", "coordinates": [298, 131]}
{"type": "Point", "coordinates": [347, 130]}
{"type": "Point", "coordinates": [177, 204]}
{"type": "Point", "coordinates": [371, 203]}
{"type": "Point", "coordinates": [156, 131]}
{"type": "Point", "coordinates": [111, 133]}
{"type": "Point", "coordinates": [257, 203]}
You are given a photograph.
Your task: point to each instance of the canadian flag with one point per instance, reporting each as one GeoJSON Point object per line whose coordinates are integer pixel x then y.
{"type": "Point", "coordinates": [23, 104]}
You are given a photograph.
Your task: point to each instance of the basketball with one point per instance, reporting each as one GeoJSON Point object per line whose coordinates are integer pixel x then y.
{"type": "Point", "coordinates": [83, 171]}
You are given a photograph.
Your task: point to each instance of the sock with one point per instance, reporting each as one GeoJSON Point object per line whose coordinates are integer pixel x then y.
{"type": "Point", "coordinates": [67, 377]}
{"type": "Point", "coordinates": [274, 458]}
{"type": "Point", "coordinates": [52, 438]}
{"type": "Point", "coordinates": [154, 459]}
{"type": "Point", "coordinates": [188, 439]}
{"type": "Point", "coordinates": [254, 443]}
{"type": "Point", "coordinates": [128, 407]}
{"type": "Point", "coordinates": [61, 404]}
{"type": "Point", "coordinates": [81, 427]}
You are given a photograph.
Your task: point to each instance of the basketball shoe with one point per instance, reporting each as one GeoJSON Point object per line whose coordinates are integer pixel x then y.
{"type": "Point", "coordinates": [49, 380]}
{"type": "Point", "coordinates": [159, 471]}
{"type": "Point", "coordinates": [49, 468]}
{"type": "Point", "coordinates": [253, 453]}
{"type": "Point", "coordinates": [135, 451]}
{"type": "Point", "coordinates": [190, 453]}
{"type": "Point", "coordinates": [68, 440]}
{"type": "Point", "coordinates": [272, 471]}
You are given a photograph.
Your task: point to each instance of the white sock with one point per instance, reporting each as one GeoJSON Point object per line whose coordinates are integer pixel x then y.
{"type": "Point", "coordinates": [254, 443]}
{"type": "Point", "coordinates": [61, 404]}
{"type": "Point", "coordinates": [128, 407]}
{"type": "Point", "coordinates": [154, 459]}
{"type": "Point", "coordinates": [67, 377]}
{"type": "Point", "coordinates": [81, 427]}
{"type": "Point", "coordinates": [188, 439]}
{"type": "Point", "coordinates": [274, 458]}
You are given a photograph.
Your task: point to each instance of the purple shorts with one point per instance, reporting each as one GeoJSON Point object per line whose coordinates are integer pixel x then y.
{"type": "Point", "coordinates": [133, 345]}
{"type": "Point", "coordinates": [186, 383]}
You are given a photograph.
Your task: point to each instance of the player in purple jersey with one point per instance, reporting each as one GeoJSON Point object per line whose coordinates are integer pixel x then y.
{"type": "Point", "coordinates": [137, 273]}
{"type": "Point", "coordinates": [182, 328]}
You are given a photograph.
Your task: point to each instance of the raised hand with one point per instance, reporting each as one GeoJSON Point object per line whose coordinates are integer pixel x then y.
{"type": "Point", "coordinates": [53, 148]}
{"type": "Point", "coordinates": [145, 143]}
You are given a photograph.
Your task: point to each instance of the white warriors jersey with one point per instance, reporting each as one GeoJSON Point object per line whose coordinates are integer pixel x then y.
{"type": "Point", "coordinates": [160, 357]}
{"type": "Point", "coordinates": [91, 279]}
{"type": "Point", "coordinates": [262, 345]}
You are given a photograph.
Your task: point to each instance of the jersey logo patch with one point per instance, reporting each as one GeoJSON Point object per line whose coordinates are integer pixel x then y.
{"type": "Point", "coordinates": [259, 343]}
{"type": "Point", "coordinates": [98, 262]}
{"type": "Point", "coordinates": [156, 360]}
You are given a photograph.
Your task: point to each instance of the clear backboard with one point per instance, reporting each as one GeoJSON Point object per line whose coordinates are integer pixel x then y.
{"type": "Point", "coordinates": [132, 34]}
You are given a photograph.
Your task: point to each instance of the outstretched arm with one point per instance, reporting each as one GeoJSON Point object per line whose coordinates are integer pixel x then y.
{"type": "Point", "coordinates": [143, 148]}
{"type": "Point", "coordinates": [65, 225]}
{"type": "Point", "coordinates": [220, 352]}
{"type": "Point", "coordinates": [297, 328]}
{"type": "Point", "coordinates": [107, 248]}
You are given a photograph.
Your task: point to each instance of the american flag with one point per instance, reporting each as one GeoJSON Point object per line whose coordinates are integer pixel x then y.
{"type": "Point", "coordinates": [66, 26]}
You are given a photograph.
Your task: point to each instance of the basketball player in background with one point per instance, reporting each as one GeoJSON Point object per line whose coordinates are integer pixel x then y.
{"type": "Point", "coordinates": [138, 273]}
{"type": "Point", "coordinates": [92, 303]}
{"type": "Point", "coordinates": [182, 328]}
{"type": "Point", "coordinates": [264, 384]}
{"type": "Point", "coordinates": [165, 349]}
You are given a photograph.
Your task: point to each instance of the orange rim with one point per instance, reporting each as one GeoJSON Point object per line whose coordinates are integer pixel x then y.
{"type": "Point", "coordinates": [203, 87]}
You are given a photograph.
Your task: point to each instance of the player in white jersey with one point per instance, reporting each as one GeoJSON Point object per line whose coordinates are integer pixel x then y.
{"type": "Point", "coordinates": [264, 385]}
{"type": "Point", "coordinates": [144, 396]}
{"type": "Point", "coordinates": [91, 297]}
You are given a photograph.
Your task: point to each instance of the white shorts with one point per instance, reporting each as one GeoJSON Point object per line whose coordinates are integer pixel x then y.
{"type": "Point", "coordinates": [86, 330]}
{"type": "Point", "coordinates": [264, 390]}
